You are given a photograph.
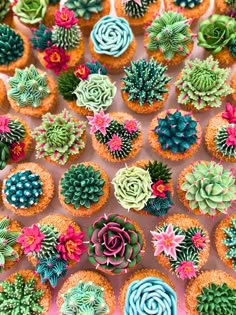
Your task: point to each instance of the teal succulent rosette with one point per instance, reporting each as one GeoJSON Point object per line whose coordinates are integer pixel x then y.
{"type": "Point", "coordinates": [85, 8]}
{"type": "Point", "coordinates": [30, 11]}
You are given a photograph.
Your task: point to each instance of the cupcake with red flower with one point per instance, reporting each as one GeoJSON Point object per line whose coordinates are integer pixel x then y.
{"type": "Point", "coordinates": [181, 245]}
{"type": "Point", "coordinates": [63, 46]}
{"type": "Point", "coordinates": [52, 245]}
{"type": "Point", "coordinates": [15, 140]}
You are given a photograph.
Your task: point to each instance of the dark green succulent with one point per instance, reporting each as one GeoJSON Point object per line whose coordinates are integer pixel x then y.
{"type": "Point", "coordinates": [232, 47]}
{"type": "Point", "coordinates": [159, 206]}
{"type": "Point", "coordinates": [135, 10]}
{"type": "Point", "coordinates": [16, 133]}
{"type": "Point", "coordinates": [84, 8]}
{"type": "Point", "coordinates": [159, 171]}
{"type": "Point", "coordinates": [4, 8]}
{"type": "Point", "coordinates": [67, 83]}
{"type": "Point", "coordinates": [96, 67]}
{"type": "Point", "coordinates": [42, 38]}
{"type": "Point", "coordinates": [4, 155]}
{"type": "Point", "coordinates": [230, 242]}
{"type": "Point", "coordinates": [188, 4]}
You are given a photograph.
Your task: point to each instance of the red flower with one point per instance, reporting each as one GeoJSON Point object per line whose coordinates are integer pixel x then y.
{"type": "Point", "coordinates": [56, 59]}
{"type": "Point", "coordinates": [159, 189]}
{"type": "Point", "coordinates": [65, 18]}
{"type": "Point", "coordinates": [82, 72]}
{"type": "Point", "coordinates": [230, 113]}
{"type": "Point", "coordinates": [198, 240]}
{"type": "Point", "coordinates": [17, 151]}
{"type": "Point", "coordinates": [231, 136]}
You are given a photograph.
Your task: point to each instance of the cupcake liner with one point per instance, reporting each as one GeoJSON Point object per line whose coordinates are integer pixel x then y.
{"type": "Point", "coordinates": [4, 104]}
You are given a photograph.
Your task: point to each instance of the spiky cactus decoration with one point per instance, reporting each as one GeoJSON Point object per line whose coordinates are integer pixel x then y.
{"type": "Point", "coordinates": [42, 38]}
{"type": "Point", "coordinates": [230, 242]}
{"type": "Point", "coordinates": [159, 171]}
{"type": "Point", "coordinates": [189, 4]}
{"type": "Point", "coordinates": [84, 8]}
{"type": "Point", "coordinates": [135, 8]}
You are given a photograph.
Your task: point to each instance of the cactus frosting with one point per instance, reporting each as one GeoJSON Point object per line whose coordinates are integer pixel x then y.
{"type": "Point", "coordinates": [15, 133]}
{"type": "Point", "coordinates": [4, 9]}
{"type": "Point", "coordinates": [159, 171]}
{"type": "Point", "coordinates": [4, 155]}
{"type": "Point", "coordinates": [169, 33]}
{"type": "Point", "coordinates": [230, 242]}
{"type": "Point", "coordinates": [42, 38]}
{"type": "Point", "coordinates": [85, 8]}
{"type": "Point", "coordinates": [30, 11]}
{"type": "Point", "coordinates": [49, 243]}
{"type": "Point", "coordinates": [187, 4]}
{"type": "Point", "coordinates": [222, 141]}
{"type": "Point", "coordinates": [136, 8]}
{"type": "Point", "coordinates": [82, 186]}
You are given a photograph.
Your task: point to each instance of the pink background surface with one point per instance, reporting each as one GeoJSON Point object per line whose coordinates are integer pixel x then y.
{"type": "Point", "coordinates": [147, 223]}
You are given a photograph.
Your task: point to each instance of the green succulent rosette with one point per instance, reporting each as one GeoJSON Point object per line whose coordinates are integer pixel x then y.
{"type": "Point", "coordinates": [4, 9]}
{"type": "Point", "coordinates": [30, 11]}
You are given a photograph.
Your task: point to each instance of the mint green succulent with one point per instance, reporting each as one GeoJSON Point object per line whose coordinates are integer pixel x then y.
{"type": "Point", "coordinates": [84, 8]}
{"type": "Point", "coordinates": [4, 8]}
{"type": "Point", "coordinates": [66, 38]}
{"type": "Point", "coordinates": [209, 187]}
{"type": "Point", "coordinates": [49, 243]}
{"type": "Point", "coordinates": [30, 11]}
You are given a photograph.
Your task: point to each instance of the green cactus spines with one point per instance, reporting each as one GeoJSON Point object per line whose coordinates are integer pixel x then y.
{"type": "Point", "coordinates": [230, 242]}
{"type": "Point", "coordinates": [84, 8]}
{"type": "Point", "coordinates": [220, 142]}
{"type": "Point", "coordinates": [188, 254]}
{"type": "Point", "coordinates": [49, 243]}
{"type": "Point", "coordinates": [66, 38]}
{"type": "Point", "coordinates": [16, 133]}
{"type": "Point", "coordinates": [159, 171]}
{"type": "Point", "coordinates": [42, 38]}
{"type": "Point", "coordinates": [4, 8]}
{"type": "Point", "coordinates": [135, 10]}
{"type": "Point", "coordinates": [4, 155]}
{"type": "Point", "coordinates": [67, 83]}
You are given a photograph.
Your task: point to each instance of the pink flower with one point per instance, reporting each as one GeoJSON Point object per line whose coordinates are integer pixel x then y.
{"type": "Point", "coordinates": [115, 143]}
{"type": "Point", "coordinates": [4, 124]}
{"type": "Point", "coordinates": [198, 240]}
{"type": "Point", "coordinates": [99, 122]}
{"type": "Point", "coordinates": [82, 72]}
{"type": "Point", "coordinates": [167, 241]}
{"type": "Point", "coordinates": [159, 189]}
{"type": "Point", "coordinates": [231, 136]}
{"type": "Point", "coordinates": [131, 125]}
{"type": "Point", "coordinates": [186, 270]}
{"type": "Point", "coordinates": [31, 239]}
{"type": "Point", "coordinates": [230, 113]}
{"type": "Point", "coordinates": [65, 18]}
{"type": "Point", "coordinates": [56, 59]}
{"type": "Point", "coordinates": [71, 244]}
{"type": "Point", "coordinates": [17, 151]}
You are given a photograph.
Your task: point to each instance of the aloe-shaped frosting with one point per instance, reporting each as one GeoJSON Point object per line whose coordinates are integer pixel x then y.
{"type": "Point", "coordinates": [84, 8]}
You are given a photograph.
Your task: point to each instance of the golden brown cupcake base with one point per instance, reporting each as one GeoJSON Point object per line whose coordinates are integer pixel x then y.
{"type": "Point", "coordinates": [167, 154]}
{"type": "Point", "coordinates": [95, 207]}
{"type": "Point", "coordinates": [49, 17]}
{"type": "Point", "coordinates": [81, 110]}
{"type": "Point", "coordinates": [114, 65]}
{"type": "Point", "coordinates": [4, 104]}
{"type": "Point", "coordinates": [193, 13]}
{"type": "Point", "coordinates": [138, 24]}
{"type": "Point", "coordinates": [86, 276]}
{"type": "Point", "coordinates": [233, 85]}
{"type": "Point", "coordinates": [194, 288]}
{"type": "Point", "coordinates": [225, 58]}
{"type": "Point", "coordinates": [47, 187]}
{"type": "Point", "coordinates": [9, 19]}
{"type": "Point", "coordinates": [221, 7]}
{"type": "Point", "coordinates": [102, 150]}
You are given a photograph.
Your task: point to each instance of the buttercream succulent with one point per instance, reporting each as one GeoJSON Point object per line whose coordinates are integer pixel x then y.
{"type": "Point", "coordinates": [136, 8]}
{"type": "Point", "coordinates": [4, 155]}
{"type": "Point", "coordinates": [7, 242]}
{"type": "Point", "coordinates": [23, 189]}
{"type": "Point", "coordinates": [20, 297]}
{"type": "Point", "coordinates": [230, 242]}
{"type": "Point", "coordinates": [67, 83]}
{"type": "Point", "coordinates": [14, 130]}
{"type": "Point", "coordinates": [216, 32]}
{"type": "Point", "coordinates": [159, 206]}
{"type": "Point", "coordinates": [30, 11]}
{"type": "Point", "coordinates": [11, 45]}
{"type": "Point", "coordinates": [223, 143]}
{"type": "Point", "coordinates": [42, 37]}
{"type": "Point", "coordinates": [209, 187]}
{"type": "Point", "coordinates": [145, 81]}
{"type": "Point", "coordinates": [132, 187]}
{"type": "Point", "coordinates": [96, 93]}
{"type": "Point", "coordinates": [203, 83]}
{"type": "Point", "coordinates": [96, 67]}
{"type": "Point", "coordinates": [28, 87]}
{"type": "Point", "coordinates": [114, 244]}
{"type": "Point", "coordinates": [4, 9]}
{"type": "Point", "coordinates": [189, 4]}
{"type": "Point", "coordinates": [159, 170]}
{"type": "Point", "coordinates": [59, 137]}
{"type": "Point", "coordinates": [176, 132]}
{"type": "Point", "coordinates": [85, 8]}
{"type": "Point", "coordinates": [216, 299]}
{"type": "Point", "coordinates": [84, 298]}
{"type": "Point", "coordinates": [169, 33]}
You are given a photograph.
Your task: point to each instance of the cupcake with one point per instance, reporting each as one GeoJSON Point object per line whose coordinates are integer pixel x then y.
{"type": "Point", "coordinates": [145, 87]}
{"type": "Point", "coordinates": [61, 47]}
{"type": "Point", "coordinates": [122, 252]}
{"type": "Point", "coordinates": [15, 140]}
{"type": "Point", "coordinates": [220, 135]}
{"type": "Point", "coordinates": [226, 7]}
{"type": "Point", "coordinates": [175, 134]}
{"type": "Point", "coordinates": [137, 13]}
{"type": "Point", "coordinates": [60, 138]}
{"type": "Point", "coordinates": [4, 104]}
{"type": "Point", "coordinates": [88, 12]}
{"type": "Point", "coordinates": [207, 188]}
{"type": "Point", "coordinates": [169, 38]}
{"type": "Point", "coordinates": [31, 13]}
{"type": "Point", "coordinates": [191, 9]}
{"type": "Point", "coordinates": [225, 239]}
{"type": "Point", "coordinates": [84, 189]}
{"type": "Point", "coordinates": [86, 292]}
{"type": "Point", "coordinates": [116, 137]}
{"type": "Point", "coordinates": [32, 92]}
{"type": "Point", "coordinates": [52, 245]}
{"type": "Point", "coordinates": [15, 50]}
{"type": "Point", "coordinates": [217, 35]}
{"type": "Point", "coordinates": [202, 85]}
{"type": "Point", "coordinates": [6, 14]}
{"type": "Point", "coordinates": [87, 88]}
{"type": "Point", "coordinates": [154, 183]}
{"type": "Point", "coordinates": [187, 249]}
{"type": "Point", "coordinates": [10, 250]}
{"type": "Point", "coordinates": [23, 291]}
{"type": "Point", "coordinates": [112, 43]}
{"type": "Point", "coordinates": [150, 292]}
{"type": "Point", "coordinates": [27, 189]}
{"type": "Point", "coordinates": [233, 84]}
{"type": "Point", "coordinates": [212, 292]}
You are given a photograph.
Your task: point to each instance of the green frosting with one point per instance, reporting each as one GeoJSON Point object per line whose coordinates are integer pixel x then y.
{"type": "Point", "coordinates": [220, 142]}
{"type": "Point", "coordinates": [188, 4]}
{"type": "Point", "coordinates": [82, 186]}
{"type": "Point", "coordinates": [216, 32]}
{"type": "Point", "coordinates": [4, 155]}
{"type": "Point", "coordinates": [85, 298]}
{"type": "Point", "coordinates": [169, 33]}
{"type": "Point", "coordinates": [11, 45]}
{"type": "Point", "coordinates": [16, 133]}
{"type": "Point", "coordinates": [59, 137]}
{"type": "Point", "coordinates": [96, 67]}
{"type": "Point", "coordinates": [135, 9]}
{"type": "Point", "coordinates": [20, 297]}
{"type": "Point", "coordinates": [28, 87]}
{"type": "Point", "coordinates": [49, 243]}
{"type": "Point", "coordinates": [96, 93]}
{"type": "Point", "coordinates": [209, 188]}
{"type": "Point", "coordinates": [67, 83]}
{"type": "Point", "coordinates": [42, 38]}
{"type": "Point", "coordinates": [230, 242]}
{"type": "Point", "coordinates": [232, 47]}
{"type": "Point", "coordinates": [132, 187]}
{"type": "Point", "coordinates": [145, 81]}
{"type": "Point", "coordinates": [4, 8]}
{"type": "Point", "coordinates": [30, 11]}
{"type": "Point", "coordinates": [159, 206]}
{"type": "Point", "coordinates": [7, 241]}
{"type": "Point", "coordinates": [217, 299]}
{"type": "Point", "coordinates": [84, 8]}
{"type": "Point", "coordinates": [203, 83]}
{"type": "Point", "coordinates": [66, 38]}
{"type": "Point", "coordinates": [159, 171]}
